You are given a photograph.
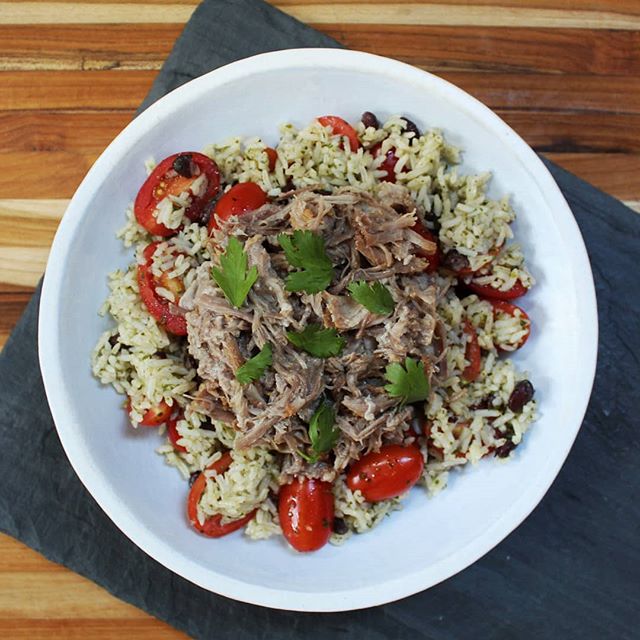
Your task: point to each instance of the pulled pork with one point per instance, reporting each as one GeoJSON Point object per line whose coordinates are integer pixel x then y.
{"type": "Point", "coordinates": [367, 238]}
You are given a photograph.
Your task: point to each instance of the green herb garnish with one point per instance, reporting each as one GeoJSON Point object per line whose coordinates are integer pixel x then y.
{"type": "Point", "coordinates": [305, 250]}
{"type": "Point", "coordinates": [409, 382]}
{"type": "Point", "coordinates": [317, 341]}
{"type": "Point", "coordinates": [233, 277]}
{"type": "Point", "coordinates": [375, 297]}
{"type": "Point", "coordinates": [253, 368]}
{"type": "Point", "coordinates": [322, 432]}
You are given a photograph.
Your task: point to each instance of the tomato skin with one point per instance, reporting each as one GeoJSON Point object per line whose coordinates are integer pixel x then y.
{"type": "Point", "coordinates": [212, 527]}
{"type": "Point", "coordinates": [242, 197]}
{"type": "Point", "coordinates": [155, 416]}
{"type": "Point", "coordinates": [387, 473]}
{"type": "Point", "coordinates": [502, 306]}
{"type": "Point", "coordinates": [341, 127]}
{"type": "Point", "coordinates": [272, 156]}
{"type": "Point", "coordinates": [388, 164]}
{"type": "Point", "coordinates": [433, 258]}
{"type": "Point", "coordinates": [306, 512]}
{"type": "Point", "coordinates": [489, 292]}
{"type": "Point", "coordinates": [158, 307]}
{"type": "Point", "coordinates": [172, 432]}
{"type": "Point", "coordinates": [150, 193]}
{"type": "Point", "coordinates": [472, 353]}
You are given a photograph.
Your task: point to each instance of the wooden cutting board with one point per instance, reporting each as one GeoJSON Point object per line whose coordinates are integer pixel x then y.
{"type": "Point", "coordinates": [564, 73]}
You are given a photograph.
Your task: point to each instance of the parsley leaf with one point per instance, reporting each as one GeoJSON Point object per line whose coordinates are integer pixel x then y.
{"type": "Point", "coordinates": [253, 368]}
{"type": "Point", "coordinates": [322, 432]}
{"type": "Point", "coordinates": [409, 382]}
{"type": "Point", "coordinates": [233, 278]}
{"type": "Point", "coordinates": [318, 341]}
{"type": "Point", "coordinates": [305, 250]}
{"type": "Point", "coordinates": [376, 297]}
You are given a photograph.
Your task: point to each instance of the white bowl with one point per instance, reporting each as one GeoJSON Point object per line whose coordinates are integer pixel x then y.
{"type": "Point", "coordinates": [431, 539]}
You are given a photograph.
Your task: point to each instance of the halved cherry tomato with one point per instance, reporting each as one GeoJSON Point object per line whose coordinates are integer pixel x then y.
{"type": "Point", "coordinates": [387, 473]}
{"type": "Point", "coordinates": [160, 308]}
{"type": "Point", "coordinates": [242, 197]}
{"type": "Point", "coordinates": [272, 156]}
{"type": "Point", "coordinates": [487, 291]}
{"type": "Point", "coordinates": [155, 416]}
{"type": "Point", "coordinates": [433, 258]}
{"type": "Point", "coordinates": [388, 164]}
{"type": "Point", "coordinates": [472, 353]}
{"type": "Point", "coordinates": [164, 180]}
{"type": "Point", "coordinates": [306, 513]}
{"type": "Point", "coordinates": [172, 431]}
{"type": "Point", "coordinates": [341, 127]}
{"type": "Point", "coordinates": [502, 306]}
{"type": "Point", "coordinates": [212, 526]}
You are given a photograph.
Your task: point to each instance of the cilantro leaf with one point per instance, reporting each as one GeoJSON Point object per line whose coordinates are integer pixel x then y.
{"type": "Point", "coordinates": [305, 250]}
{"type": "Point", "coordinates": [409, 382]}
{"type": "Point", "coordinates": [376, 297]}
{"type": "Point", "coordinates": [233, 277]}
{"type": "Point", "coordinates": [253, 368]}
{"type": "Point", "coordinates": [322, 432]}
{"type": "Point", "coordinates": [317, 341]}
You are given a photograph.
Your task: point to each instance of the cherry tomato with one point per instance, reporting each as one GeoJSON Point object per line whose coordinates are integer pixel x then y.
{"type": "Point", "coordinates": [387, 473]}
{"type": "Point", "coordinates": [341, 127]}
{"type": "Point", "coordinates": [212, 526]}
{"type": "Point", "coordinates": [272, 156]}
{"type": "Point", "coordinates": [165, 180]}
{"type": "Point", "coordinates": [388, 164]}
{"type": "Point", "coordinates": [472, 353]}
{"type": "Point", "coordinates": [160, 308]}
{"type": "Point", "coordinates": [487, 291]}
{"type": "Point", "coordinates": [306, 513]}
{"type": "Point", "coordinates": [242, 197]}
{"type": "Point", "coordinates": [433, 258]}
{"type": "Point", "coordinates": [172, 432]}
{"type": "Point", "coordinates": [155, 416]}
{"type": "Point", "coordinates": [502, 306]}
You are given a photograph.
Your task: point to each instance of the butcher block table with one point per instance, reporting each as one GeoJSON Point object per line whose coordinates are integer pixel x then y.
{"type": "Point", "coordinates": [565, 74]}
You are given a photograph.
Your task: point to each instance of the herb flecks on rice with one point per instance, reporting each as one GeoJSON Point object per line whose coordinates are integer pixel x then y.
{"type": "Point", "coordinates": [465, 418]}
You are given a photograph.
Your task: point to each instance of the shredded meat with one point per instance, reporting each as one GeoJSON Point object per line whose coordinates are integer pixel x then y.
{"type": "Point", "coordinates": [366, 237]}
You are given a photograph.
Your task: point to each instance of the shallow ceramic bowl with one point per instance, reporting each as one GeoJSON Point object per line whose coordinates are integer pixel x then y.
{"type": "Point", "coordinates": [430, 539]}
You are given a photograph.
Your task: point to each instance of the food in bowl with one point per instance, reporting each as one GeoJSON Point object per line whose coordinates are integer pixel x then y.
{"type": "Point", "coordinates": [319, 326]}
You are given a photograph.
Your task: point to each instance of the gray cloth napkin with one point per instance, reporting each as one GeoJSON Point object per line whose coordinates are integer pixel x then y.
{"type": "Point", "coordinates": [570, 571]}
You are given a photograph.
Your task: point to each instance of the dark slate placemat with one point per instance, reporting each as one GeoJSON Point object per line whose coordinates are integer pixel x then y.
{"type": "Point", "coordinates": [570, 571]}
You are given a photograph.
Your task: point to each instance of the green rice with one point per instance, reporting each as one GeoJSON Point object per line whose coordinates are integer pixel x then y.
{"type": "Point", "coordinates": [468, 421]}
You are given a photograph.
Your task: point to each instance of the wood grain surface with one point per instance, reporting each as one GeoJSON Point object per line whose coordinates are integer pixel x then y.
{"type": "Point", "coordinates": [564, 73]}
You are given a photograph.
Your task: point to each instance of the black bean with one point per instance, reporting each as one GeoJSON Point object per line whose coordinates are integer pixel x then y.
{"type": "Point", "coordinates": [193, 477]}
{"type": "Point", "coordinates": [206, 212]}
{"type": "Point", "coordinates": [182, 165]}
{"type": "Point", "coordinates": [369, 120]}
{"type": "Point", "coordinates": [504, 450]}
{"type": "Point", "coordinates": [340, 526]}
{"type": "Point", "coordinates": [485, 403]}
{"type": "Point", "coordinates": [411, 127]}
{"type": "Point", "coordinates": [455, 261]}
{"type": "Point", "coordinates": [288, 186]}
{"type": "Point", "coordinates": [521, 394]}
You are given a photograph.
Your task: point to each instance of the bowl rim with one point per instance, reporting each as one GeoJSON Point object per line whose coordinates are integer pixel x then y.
{"type": "Point", "coordinates": [49, 326]}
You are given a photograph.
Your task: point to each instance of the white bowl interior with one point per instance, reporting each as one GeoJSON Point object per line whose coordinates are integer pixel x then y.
{"type": "Point", "coordinates": [431, 538]}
